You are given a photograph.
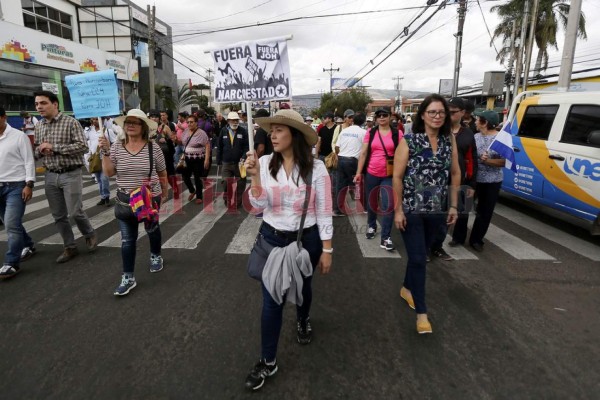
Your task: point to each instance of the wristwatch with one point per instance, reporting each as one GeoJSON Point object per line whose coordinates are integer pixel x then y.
{"type": "Point", "coordinates": [29, 184]}
{"type": "Point", "coordinates": [328, 251]}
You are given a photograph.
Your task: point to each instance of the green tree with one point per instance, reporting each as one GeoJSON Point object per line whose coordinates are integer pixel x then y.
{"type": "Point", "coordinates": [355, 99]}
{"type": "Point", "coordinates": [186, 97]}
{"type": "Point", "coordinates": [551, 15]}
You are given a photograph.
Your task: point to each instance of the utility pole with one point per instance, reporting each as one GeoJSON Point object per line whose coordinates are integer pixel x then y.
{"type": "Point", "coordinates": [209, 71]}
{"type": "Point", "coordinates": [530, 41]}
{"type": "Point", "coordinates": [151, 45]}
{"type": "Point", "coordinates": [519, 66]}
{"type": "Point", "coordinates": [511, 61]}
{"type": "Point", "coordinates": [398, 87]}
{"type": "Point", "coordinates": [462, 11]}
{"type": "Point", "coordinates": [330, 70]}
{"type": "Point", "coordinates": [566, 65]}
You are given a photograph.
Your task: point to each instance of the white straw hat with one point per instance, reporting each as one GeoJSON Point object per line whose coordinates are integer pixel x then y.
{"type": "Point", "coordinates": [290, 118]}
{"type": "Point", "coordinates": [233, 115]}
{"type": "Point", "coordinates": [137, 113]}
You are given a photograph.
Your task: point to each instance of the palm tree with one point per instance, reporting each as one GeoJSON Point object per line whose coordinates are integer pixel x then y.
{"type": "Point", "coordinates": [551, 15]}
{"type": "Point", "coordinates": [185, 97]}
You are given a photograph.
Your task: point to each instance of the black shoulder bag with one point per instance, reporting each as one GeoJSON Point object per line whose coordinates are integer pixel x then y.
{"type": "Point", "coordinates": [123, 210]}
{"type": "Point", "coordinates": [261, 249]}
{"type": "Point", "coordinates": [181, 163]}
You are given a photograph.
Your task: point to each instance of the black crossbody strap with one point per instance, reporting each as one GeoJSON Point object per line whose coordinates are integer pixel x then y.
{"type": "Point", "coordinates": [188, 142]}
{"type": "Point", "coordinates": [304, 208]}
{"type": "Point", "coordinates": [151, 156]}
{"type": "Point", "coordinates": [383, 145]}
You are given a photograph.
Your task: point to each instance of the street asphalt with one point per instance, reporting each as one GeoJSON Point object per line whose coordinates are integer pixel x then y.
{"type": "Point", "coordinates": [503, 328]}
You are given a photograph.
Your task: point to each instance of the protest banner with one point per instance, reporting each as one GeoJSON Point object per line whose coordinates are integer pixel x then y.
{"type": "Point", "coordinates": [256, 70]}
{"type": "Point", "coordinates": [94, 94]}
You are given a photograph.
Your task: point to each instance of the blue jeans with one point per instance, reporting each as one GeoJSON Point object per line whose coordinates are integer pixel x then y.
{"type": "Point", "coordinates": [129, 236]}
{"type": "Point", "coordinates": [374, 187]}
{"type": "Point", "coordinates": [103, 185]}
{"type": "Point", "coordinates": [178, 153]}
{"type": "Point", "coordinates": [272, 313]}
{"type": "Point", "coordinates": [345, 174]}
{"type": "Point", "coordinates": [419, 235]}
{"type": "Point", "coordinates": [12, 208]}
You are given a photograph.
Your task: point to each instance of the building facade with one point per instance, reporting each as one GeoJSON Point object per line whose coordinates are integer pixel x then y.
{"type": "Point", "coordinates": [43, 41]}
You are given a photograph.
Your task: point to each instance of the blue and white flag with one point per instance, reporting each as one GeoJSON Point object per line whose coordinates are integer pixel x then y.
{"type": "Point", "coordinates": [503, 145]}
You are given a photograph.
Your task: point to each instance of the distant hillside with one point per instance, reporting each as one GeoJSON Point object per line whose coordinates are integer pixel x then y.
{"type": "Point", "coordinates": [312, 101]}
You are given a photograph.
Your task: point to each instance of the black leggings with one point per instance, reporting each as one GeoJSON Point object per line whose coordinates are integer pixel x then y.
{"type": "Point", "coordinates": [487, 196]}
{"type": "Point", "coordinates": [194, 166]}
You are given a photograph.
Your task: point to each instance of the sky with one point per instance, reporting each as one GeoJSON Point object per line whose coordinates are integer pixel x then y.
{"type": "Point", "coordinates": [349, 42]}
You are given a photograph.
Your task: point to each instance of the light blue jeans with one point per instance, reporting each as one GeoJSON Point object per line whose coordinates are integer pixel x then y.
{"type": "Point", "coordinates": [103, 185]}
{"type": "Point", "coordinates": [12, 208]}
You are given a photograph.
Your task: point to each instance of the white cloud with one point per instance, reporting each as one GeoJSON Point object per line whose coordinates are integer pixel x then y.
{"type": "Point", "coordinates": [350, 41]}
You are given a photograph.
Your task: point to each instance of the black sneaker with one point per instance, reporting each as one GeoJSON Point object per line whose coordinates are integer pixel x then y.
{"type": "Point", "coordinates": [27, 253]}
{"type": "Point", "coordinates": [441, 253]}
{"type": "Point", "coordinates": [101, 202]}
{"type": "Point", "coordinates": [370, 233]}
{"type": "Point", "coordinates": [304, 331]}
{"type": "Point", "coordinates": [387, 244]}
{"type": "Point", "coordinates": [256, 378]}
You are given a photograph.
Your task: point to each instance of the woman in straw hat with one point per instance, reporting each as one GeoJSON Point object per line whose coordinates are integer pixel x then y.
{"type": "Point", "coordinates": [130, 162]}
{"type": "Point", "coordinates": [286, 172]}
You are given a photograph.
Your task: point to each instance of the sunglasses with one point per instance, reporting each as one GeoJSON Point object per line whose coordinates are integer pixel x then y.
{"type": "Point", "coordinates": [133, 123]}
{"type": "Point", "coordinates": [382, 115]}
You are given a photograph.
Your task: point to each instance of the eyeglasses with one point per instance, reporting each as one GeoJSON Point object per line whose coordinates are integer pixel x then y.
{"type": "Point", "coordinates": [133, 123]}
{"type": "Point", "coordinates": [434, 113]}
{"type": "Point", "coordinates": [383, 115]}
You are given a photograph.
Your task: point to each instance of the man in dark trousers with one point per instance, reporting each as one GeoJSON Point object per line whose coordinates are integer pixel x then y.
{"type": "Point", "coordinates": [467, 160]}
{"type": "Point", "coordinates": [262, 140]}
{"type": "Point", "coordinates": [232, 147]}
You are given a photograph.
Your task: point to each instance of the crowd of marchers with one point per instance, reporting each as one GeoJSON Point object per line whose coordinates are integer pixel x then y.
{"type": "Point", "coordinates": [421, 174]}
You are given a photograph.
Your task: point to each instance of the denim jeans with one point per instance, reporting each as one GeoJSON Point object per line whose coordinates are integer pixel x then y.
{"type": "Point", "coordinates": [374, 187]}
{"type": "Point", "coordinates": [103, 185]}
{"type": "Point", "coordinates": [272, 313]}
{"type": "Point", "coordinates": [129, 236]}
{"type": "Point", "coordinates": [63, 192]}
{"type": "Point", "coordinates": [12, 208]}
{"type": "Point", "coordinates": [421, 230]}
{"type": "Point", "coordinates": [345, 174]}
{"type": "Point", "coordinates": [178, 153]}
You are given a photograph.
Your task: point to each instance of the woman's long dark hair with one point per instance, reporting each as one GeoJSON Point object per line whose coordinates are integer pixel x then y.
{"type": "Point", "coordinates": [418, 125]}
{"type": "Point", "coordinates": [302, 157]}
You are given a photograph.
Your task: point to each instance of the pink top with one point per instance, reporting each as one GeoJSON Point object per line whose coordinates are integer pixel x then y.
{"type": "Point", "coordinates": [377, 161]}
{"type": "Point", "coordinates": [196, 146]}
{"type": "Point", "coordinates": [181, 127]}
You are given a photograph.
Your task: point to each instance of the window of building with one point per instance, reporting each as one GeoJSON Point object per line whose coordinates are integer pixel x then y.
{"type": "Point", "coordinates": [46, 19]}
{"type": "Point", "coordinates": [106, 27]}
{"type": "Point", "coordinates": [537, 122]}
{"type": "Point", "coordinates": [581, 122]}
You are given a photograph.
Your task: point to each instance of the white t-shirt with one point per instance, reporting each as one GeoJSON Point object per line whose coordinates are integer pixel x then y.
{"type": "Point", "coordinates": [350, 141]}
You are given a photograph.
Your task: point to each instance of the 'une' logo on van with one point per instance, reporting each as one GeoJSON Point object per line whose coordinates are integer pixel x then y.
{"type": "Point", "coordinates": [582, 167]}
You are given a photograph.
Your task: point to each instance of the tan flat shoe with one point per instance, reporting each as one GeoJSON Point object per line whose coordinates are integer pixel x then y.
{"type": "Point", "coordinates": [424, 327]}
{"type": "Point", "coordinates": [407, 296]}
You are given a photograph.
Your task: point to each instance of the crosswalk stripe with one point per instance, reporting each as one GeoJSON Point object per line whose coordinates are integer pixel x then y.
{"type": "Point", "coordinates": [244, 237]}
{"type": "Point", "coordinates": [459, 252]}
{"type": "Point", "coordinates": [40, 205]}
{"type": "Point", "coordinates": [194, 231]}
{"type": "Point", "coordinates": [581, 247]}
{"type": "Point", "coordinates": [171, 207]}
{"type": "Point", "coordinates": [369, 248]}
{"type": "Point", "coordinates": [514, 246]}
{"type": "Point", "coordinates": [47, 219]}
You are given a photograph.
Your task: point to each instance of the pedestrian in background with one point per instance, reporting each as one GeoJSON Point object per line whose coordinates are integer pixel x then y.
{"type": "Point", "coordinates": [17, 177]}
{"type": "Point", "coordinates": [165, 139]}
{"type": "Point", "coordinates": [232, 147]}
{"type": "Point", "coordinates": [197, 158]}
{"type": "Point", "coordinates": [180, 127]}
{"type": "Point", "coordinates": [376, 163]}
{"type": "Point", "coordinates": [29, 123]}
{"type": "Point", "coordinates": [131, 162]}
{"type": "Point", "coordinates": [60, 143]}
{"type": "Point", "coordinates": [489, 176]}
{"type": "Point", "coordinates": [287, 171]}
{"type": "Point", "coordinates": [93, 134]}
{"type": "Point", "coordinates": [348, 148]}
{"type": "Point", "coordinates": [424, 162]}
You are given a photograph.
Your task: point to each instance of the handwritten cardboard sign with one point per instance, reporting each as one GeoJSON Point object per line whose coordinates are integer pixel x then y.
{"type": "Point", "coordinates": [94, 94]}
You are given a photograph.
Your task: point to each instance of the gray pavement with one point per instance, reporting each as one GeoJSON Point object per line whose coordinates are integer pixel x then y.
{"type": "Point", "coordinates": [504, 328]}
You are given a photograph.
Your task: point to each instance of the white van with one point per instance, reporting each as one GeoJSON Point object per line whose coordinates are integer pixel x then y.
{"type": "Point", "coordinates": [556, 139]}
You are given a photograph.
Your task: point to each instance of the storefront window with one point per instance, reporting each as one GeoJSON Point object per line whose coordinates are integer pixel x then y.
{"type": "Point", "coordinates": [18, 82]}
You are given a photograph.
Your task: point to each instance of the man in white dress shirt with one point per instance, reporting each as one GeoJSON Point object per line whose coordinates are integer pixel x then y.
{"type": "Point", "coordinates": [17, 176]}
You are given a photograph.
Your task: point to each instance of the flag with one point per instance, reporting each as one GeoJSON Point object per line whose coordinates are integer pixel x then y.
{"type": "Point", "coordinates": [503, 145]}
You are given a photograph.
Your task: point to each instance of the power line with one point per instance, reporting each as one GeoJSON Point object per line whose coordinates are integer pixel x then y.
{"type": "Point", "coordinates": [220, 18]}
